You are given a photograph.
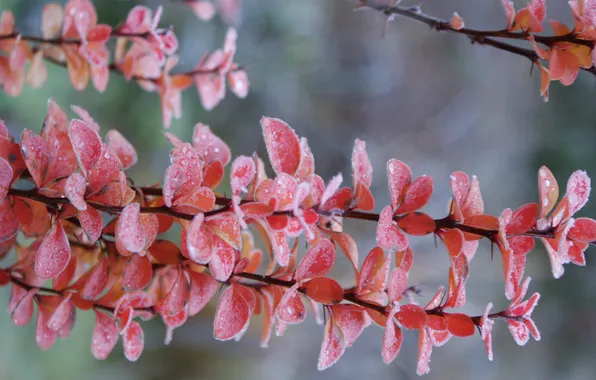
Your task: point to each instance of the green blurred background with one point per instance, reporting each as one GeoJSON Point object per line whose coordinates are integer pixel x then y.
{"type": "Point", "coordinates": [430, 99]}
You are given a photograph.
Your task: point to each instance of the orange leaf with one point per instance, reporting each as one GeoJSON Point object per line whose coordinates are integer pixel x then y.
{"type": "Point", "coordinates": [417, 223]}
{"type": "Point", "coordinates": [460, 325]}
{"type": "Point", "coordinates": [324, 290]}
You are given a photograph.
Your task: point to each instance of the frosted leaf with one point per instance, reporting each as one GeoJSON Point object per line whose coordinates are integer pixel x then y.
{"type": "Point", "coordinates": [226, 227]}
{"type": "Point", "coordinates": [238, 82]}
{"type": "Point", "coordinates": [198, 241]}
{"type": "Point", "coordinates": [317, 261]}
{"type": "Point", "coordinates": [392, 339]}
{"type": "Point", "coordinates": [133, 341]}
{"type": "Point", "coordinates": [399, 176]}
{"type": "Point", "coordinates": [436, 300]}
{"type": "Point", "coordinates": [36, 155]}
{"type": "Point", "coordinates": [411, 317]}
{"type": "Point", "coordinates": [90, 220]}
{"type": "Point", "coordinates": [231, 316]}
{"type": "Point", "coordinates": [556, 262]}
{"type": "Point", "coordinates": [361, 167]}
{"type": "Point", "coordinates": [473, 205]}
{"type": "Point", "coordinates": [5, 178]}
{"type": "Point", "coordinates": [578, 190]}
{"type": "Point", "coordinates": [323, 290]}
{"type": "Point", "coordinates": [74, 190]}
{"type": "Point", "coordinates": [137, 273]}
{"type": "Point", "coordinates": [202, 289]}
{"type": "Point", "coordinates": [306, 167]}
{"type": "Point", "coordinates": [486, 326]}
{"type": "Point", "coordinates": [282, 145]}
{"type": "Point", "coordinates": [242, 172]}
{"type": "Point", "coordinates": [62, 319]}
{"type": "Point", "coordinates": [44, 336]}
{"type": "Point", "coordinates": [291, 308]}
{"type": "Point", "coordinates": [583, 229]}
{"type": "Point", "coordinates": [519, 331]}
{"type": "Point", "coordinates": [352, 320]}
{"type": "Point", "coordinates": [210, 146]}
{"type": "Point", "coordinates": [397, 284]}
{"type": "Point", "coordinates": [388, 235]}
{"type": "Point", "coordinates": [333, 345]}
{"type": "Point", "coordinates": [123, 149]}
{"type": "Point", "coordinates": [53, 253]}
{"type": "Point", "coordinates": [177, 298]}
{"type": "Point", "coordinates": [374, 272]}
{"type": "Point", "coordinates": [425, 348]}
{"type": "Point", "coordinates": [86, 144]}
{"type": "Point", "coordinates": [22, 311]}
{"type": "Point", "coordinates": [129, 231]}
{"type": "Point", "coordinates": [223, 259]}
{"type": "Point", "coordinates": [97, 280]}
{"type": "Point", "coordinates": [331, 188]}
{"type": "Point", "coordinates": [548, 191]}
{"type": "Point", "coordinates": [107, 170]}
{"type": "Point", "coordinates": [417, 195]}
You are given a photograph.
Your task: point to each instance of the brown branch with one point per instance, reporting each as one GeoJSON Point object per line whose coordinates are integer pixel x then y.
{"type": "Point", "coordinates": [483, 37]}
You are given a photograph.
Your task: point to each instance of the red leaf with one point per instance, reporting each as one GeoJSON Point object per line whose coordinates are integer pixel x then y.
{"type": "Point", "coordinates": [282, 145]}
{"type": "Point", "coordinates": [388, 235]}
{"type": "Point", "coordinates": [392, 338]}
{"type": "Point", "coordinates": [361, 167]}
{"type": "Point", "coordinates": [44, 336]}
{"type": "Point", "coordinates": [202, 289]}
{"type": "Point", "coordinates": [61, 281]}
{"type": "Point", "coordinates": [397, 284]}
{"type": "Point", "coordinates": [63, 318]}
{"type": "Point", "coordinates": [333, 345]}
{"type": "Point", "coordinates": [177, 298]}
{"type": "Point", "coordinates": [242, 172]}
{"type": "Point", "coordinates": [5, 178]}
{"type": "Point", "coordinates": [211, 147]}
{"type": "Point", "coordinates": [417, 223]}
{"type": "Point", "coordinates": [96, 281]}
{"type": "Point", "coordinates": [33, 217]}
{"type": "Point", "coordinates": [256, 210]}
{"type": "Point", "coordinates": [578, 191]}
{"type": "Point", "coordinates": [74, 190]}
{"type": "Point", "coordinates": [133, 341]}
{"type": "Point", "coordinates": [165, 252]}
{"type": "Point", "coordinates": [53, 254]}
{"type": "Point", "coordinates": [411, 317]}
{"type": "Point", "coordinates": [9, 224]}
{"type": "Point", "coordinates": [348, 246]}
{"type": "Point", "coordinates": [548, 191]}
{"type": "Point", "coordinates": [22, 311]}
{"type": "Point", "coordinates": [351, 319]}
{"type": "Point", "coordinates": [198, 241]}
{"type": "Point", "coordinates": [123, 149]}
{"type": "Point", "coordinates": [374, 272]}
{"type": "Point", "coordinates": [460, 325]}
{"type": "Point", "coordinates": [290, 308]}
{"type": "Point", "coordinates": [86, 145]}
{"type": "Point", "coordinates": [223, 259]}
{"type": "Point", "coordinates": [424, 351]}
{"type": "Point", "coordinates": [226, 226]}
{"type": "Point", "coordinates": [317, 261]}
{"type": "Point", "coordinates": [583, 229]}
{"type": "Point", "coordinates": [107, 169]}
{"type": "Point", "coordinates": [36, 155]}
{"type": "Point", "coordinates": [417, 195]}
{"type": "Point", "coordinates": [522, 219]}
{"type": "Point", "coordinates": [519, 331]}
{"type": "Point", "coordinates": [137, 273]}
{"type": "Point", "coordinates": [399, 176]}
{"type": "Point", "coordinates": [129, 231]}
{"type": "Point", "coordinates": [232, 315]}
{"type": "Point", "coordinates": [323, 290]}
{"type": "Point", "coordinates": [213, 174]}
{"type": "Point", "coordinates": [90, 220]}
{"type": "Point", "coordinates": [306, 167]}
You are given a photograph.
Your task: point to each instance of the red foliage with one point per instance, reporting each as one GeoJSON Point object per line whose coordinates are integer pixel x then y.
{"type": "Point", "coordinates": [82, 225]}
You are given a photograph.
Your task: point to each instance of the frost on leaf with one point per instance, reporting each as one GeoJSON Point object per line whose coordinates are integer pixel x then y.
{"type": "Point", "coordinates": [5, 178]}
{"type": "Point", "coordinates": [486, 326]}
{"type": "Point", "coordinates": [578, 191]}
{"type": "Point", "coordinates": [388, 235]}
{"type": "Point", "coordinates": [548, 191]}
{"type": "Point", "coordinates": [129, 231]}
{"type": "Point", "coordinates": [411, 317]}
{"type": "Point", "coordinates": [232, 314]}
{"type": "Point", "coordinates": [210, 146]}
{"type": "Point", "coordinates": [137, 273]}
{"type": "Point", "coordinates": [133, 341]}
{"type": "Point", "coordinates": [417, 195]}
{"type": "Point", "coordinates": [392, 338]}
{"type": "Point", "coordinates": [399, 176]}
{"type": "Point", "coordinates": [282, 145]}
{"type": "Point", "coordinates": [86, 145]}
{"type": "Point", "coordinates": [123, 149]}
{"type": "Point", "coordinates": [202, 289]}
{"type": "Point", "coordinates": [361, 167]}
{"type": "Point", "coordinates": [425, 348]}
{"type": "Point", "coordinates": [53, 253]}
{"type": "Point", "coordinates": [333, 345]}
{"type": "Point", "coordinates": [351, 319]}
{"type": "Point", "coordinates": [242, 172]}
{"type": "Point", "coordinates": [74, 189]}
{"type": "Point", "coordinates": [291, 308]}
{"type": "Point", "coordinates": [317, 261]}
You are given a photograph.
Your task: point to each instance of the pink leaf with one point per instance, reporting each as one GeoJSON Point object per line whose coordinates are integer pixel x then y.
{"type": "Point", "coordinates": [361, 167]}
{"type": "Point", "coordinates": [105, 336]}
{"type": "Point", "coordinates": [397, 284]}
{"type": "Point", "coordinates": [352, 320]}
{"type": "Point", "coordinates": [333, 345]}
{"type": "Point", "coordinates": [388, 235]}
{"type": "Point", "coordinates": [519, 331]}
{"type": "Point", "coordinates": [63, 318]}
{"type": "Point", "coordinates": [486, 326]}
{"type": "Point", "coordinates": [282, 145]}
{"type": "Point", "coordinates": [242, 172]}
{"type": "Point", "coordinates": [223, 259]}
{"type": "Point", "coordinates": [331, 188]}
{"type": "Point", "coordinates": [177, 298]}
{"type": "Point", "coordinates": [53, 254]}
{"type": "Point", "coordinates": [548, 191]}
{"type": "Point", "coordinates": [133, 341]}
{"type": "Point", "coordinates": [291, 308]}
{"type": "Point", "coordinates": [317, 261]}
{"type": "Point", "coordinates": [424, 351]}
{"type": "Point", "coordinates": [202, 289]}
{"type": "Point", "coordinates": [306, 168]}
{"type": "Point", "coordinates": [232, 314]}
{"type": "Point", "coordinates": [22, 311]}
{"type": "Point", "coordinates": [5, 178]}
{"type": "Point", "coordinates": [198, 241]}
{"type": "Point", "coordinates": [123, 149]}
{"type": "Point", "coordinates": [86, 145]}
{"type": "Point", "coordinates": [417, 195]}
{"type": "Point", "coordinates": [44, 336]}
{"type": "Point", "coordinates": [211, 147]}
{"type": "Point", "coordinates": [137, 273]}
{"type": "Point", "coordinates": [578, 191]}
{"type": "Point", "coordinates": [374, 272]}
{"type": "Point", "coordinates": [399, 176]}
{"type": "Point", "coordinates": [91, 222]}
{"type": "Point", "coordinates": [583, 229]}
{"type": "Point", "coordinates": [107, 169]}
{"type": "Point", "coordinates": [74, 189]}
{"type": "Point", "coordinates": [36, 155]}
{"type": "Point", "coordinates": [129, 231]}
{"type": "Point", "coordinates": [392, 338]}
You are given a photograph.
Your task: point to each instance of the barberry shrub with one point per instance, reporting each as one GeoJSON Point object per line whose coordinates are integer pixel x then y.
{"type": "Point", "coordinates": [85, 237]}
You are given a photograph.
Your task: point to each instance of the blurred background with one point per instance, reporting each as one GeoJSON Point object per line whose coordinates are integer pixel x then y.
{"type": "Point", "coordinates": [430, 99]}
